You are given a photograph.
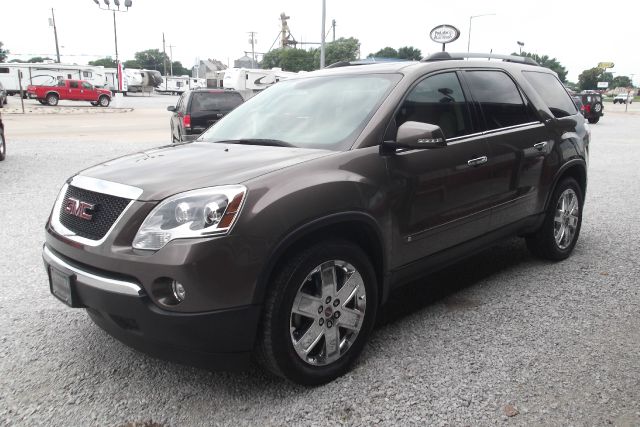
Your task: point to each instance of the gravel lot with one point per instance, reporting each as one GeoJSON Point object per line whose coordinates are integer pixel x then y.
{"type": "Point", "coordinates": [501, 338]}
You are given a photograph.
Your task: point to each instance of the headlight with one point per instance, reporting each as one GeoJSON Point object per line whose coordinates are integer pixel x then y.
{"type": "Point", "coordinates": [199, 213]}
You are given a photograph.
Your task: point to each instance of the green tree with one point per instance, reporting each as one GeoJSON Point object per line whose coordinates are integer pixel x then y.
{"type": "Point", "coordinates": [106, 62]}
{"type": "Point", "coordinates": [588, 79]}
{"type": "Point", "coordinates": [293, 60]}
{"type": "Point", "coordinates": [152, 59]}
{"type": "Point", "coordinates": [3, 52]}
{"type": "Point", "coordinates": [340, 50]}
{"type": "Point", "coordinates": [387, 52]}
{"type": "Point", "coordinates": [179, 70]}
{"type": "Point", "coordinates": [131, 63]}
{"type": "Point", "coordinates": [410, 53]}
{"type": "Point", "coordinates": [38, 59]}
{"type": "Point", "coordinates": [621, 81]}
{"type": "Point", "coordinates": [545, 61]}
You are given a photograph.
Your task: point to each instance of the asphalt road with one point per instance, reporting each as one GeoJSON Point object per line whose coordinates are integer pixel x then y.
{"type": "Point", "coordinates": [501, 338]}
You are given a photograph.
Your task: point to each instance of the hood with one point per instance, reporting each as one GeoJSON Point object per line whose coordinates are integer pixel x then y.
{"type": "Point", "coordinates": [173, 169]}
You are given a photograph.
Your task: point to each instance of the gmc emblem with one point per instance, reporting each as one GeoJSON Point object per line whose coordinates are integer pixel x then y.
{"type": "Point", "coordinates": [78, 208]}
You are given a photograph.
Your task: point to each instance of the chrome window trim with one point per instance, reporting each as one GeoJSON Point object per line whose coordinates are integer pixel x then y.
{"type": "Point", "coordinates": [90, 279]}
{"type": "Point", "coordinates": [99, 186]}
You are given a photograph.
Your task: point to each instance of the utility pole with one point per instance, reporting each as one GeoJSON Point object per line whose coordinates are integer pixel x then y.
{"type": "Point", "coordinates": [324, 17]}
{"type": "Point", "coordinates": [253, 42]}
{"type": "Point", "coordinates": [171, 58]}
{"type": "Point", "coordinates": [115, 37]}
{"type": "Point", "coordinates": [164, 55]}
{"type": "Point", "coordinates": [333, 24]}
{"type": "Point", "coordinates": [55, 33]}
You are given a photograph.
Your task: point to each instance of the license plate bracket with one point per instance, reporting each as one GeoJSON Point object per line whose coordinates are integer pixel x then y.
{"type": "Point", "coordinates": [61, 285]}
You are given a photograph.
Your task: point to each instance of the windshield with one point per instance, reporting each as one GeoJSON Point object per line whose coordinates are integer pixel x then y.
{"type": "Point", "coordinates": [316, 112]}
{"type": "Point", "coordinates": [215, 101]}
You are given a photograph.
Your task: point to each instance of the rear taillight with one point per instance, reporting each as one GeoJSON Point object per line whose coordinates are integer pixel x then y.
{"type": "Point", "coordinates": [186, 121]}
{"type": "Point", "coordinates": [587, 108]}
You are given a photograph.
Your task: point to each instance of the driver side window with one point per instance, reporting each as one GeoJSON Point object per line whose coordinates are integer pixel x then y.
{"type": "Point", "coordinates": [438, 100]}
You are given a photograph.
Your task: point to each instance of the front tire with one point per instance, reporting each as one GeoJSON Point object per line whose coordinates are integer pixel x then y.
{"type": "Point", "coordinates": [104, 101]}
{"type": "Point", "coordinates": [319, 313]}
{"type": "Point", "coordinates": [559, 232]}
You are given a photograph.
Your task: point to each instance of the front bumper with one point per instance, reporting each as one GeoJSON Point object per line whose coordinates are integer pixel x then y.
{"type": "Point", "coordinates": [220, 339]}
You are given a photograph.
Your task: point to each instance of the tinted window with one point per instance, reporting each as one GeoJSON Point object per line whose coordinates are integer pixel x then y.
{"type": "Point", "coordinates": [552, 93]}
{"type": "Point", "coordinates": [4, 70]}
{"type": "Point", "coordinates": [73, 84]}
{"type": "Point", "coordinates": [215, 101]}
{"type": "Point", "coordinates": [87, 85]}
{"type": "Point", "coordinates": [499, 98]}
{"type": "Point", "coordinates": [438, 100]}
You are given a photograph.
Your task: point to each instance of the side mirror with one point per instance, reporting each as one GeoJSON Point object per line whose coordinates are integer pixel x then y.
{"type": "Point", "coordinates": [171, 108]}
{"type": "Point", "coordinates": [418, 135]}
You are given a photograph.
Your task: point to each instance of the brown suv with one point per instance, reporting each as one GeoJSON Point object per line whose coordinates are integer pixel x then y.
{"type": "Point", "coordinates": [280, 232]}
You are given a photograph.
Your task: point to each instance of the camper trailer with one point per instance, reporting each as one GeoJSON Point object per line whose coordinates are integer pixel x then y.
{"type": "Point", "coordinates": [178, 84]}
{"type": "Point", "coordinates": [46, 74]}
{"type": "Point", "coordinates": [249, 81]}
{"type": "Point", "coordinates": [111, 80]}
{"type": "Point", "coordinates": [142, 80]}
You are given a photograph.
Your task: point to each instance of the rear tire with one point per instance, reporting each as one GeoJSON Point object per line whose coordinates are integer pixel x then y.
{"type": "Point", "coordinates": [334, 340]}
{"type": "Point", "coordinates": [560, 230]}
{"type": "Point", "coordinates": [52, 99]}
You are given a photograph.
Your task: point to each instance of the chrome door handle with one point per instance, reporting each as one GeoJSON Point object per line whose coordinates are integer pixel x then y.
{"type": "Point", "coordinates": [478, 161]}
{"type": "Point", "coordinates": [540, 145]}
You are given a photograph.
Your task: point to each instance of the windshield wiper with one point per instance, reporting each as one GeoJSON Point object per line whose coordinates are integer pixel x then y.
{"type": "Point", "coordinates": [257, 141]}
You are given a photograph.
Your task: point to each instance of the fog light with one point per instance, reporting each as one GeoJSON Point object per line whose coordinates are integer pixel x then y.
{"type": "Point", "coordinates": [178, 291]}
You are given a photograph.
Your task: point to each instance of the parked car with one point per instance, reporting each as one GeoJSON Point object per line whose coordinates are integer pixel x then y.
{"type": "Point", "coordinates": [198, 109]}
{"type": "Point", "coordinates": [623, 98]}
{"type": "Point", "coordinates": [592, 106]}
{"type": "Point", "coordinates": [3, 143]}
{"type": "Point", "coordinates": [280, 232]}
{"type": "Point", "coordinates": [3, 96]}
{"type": "Point", "coordinates": [72, 90]}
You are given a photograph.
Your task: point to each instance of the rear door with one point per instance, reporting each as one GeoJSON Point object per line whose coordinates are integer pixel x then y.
{"type": "Point", "coordinates": [207, 107]}
{"type": "Point", "coordinates": [73, 91]}
{"type": "Point", "coordinates": [518, 144]}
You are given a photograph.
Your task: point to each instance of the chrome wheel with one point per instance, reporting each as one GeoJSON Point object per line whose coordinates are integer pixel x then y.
{"type": "Point", "coordinates": [328, 312]}
{"type": "Point", "coordinates": [566, 218]}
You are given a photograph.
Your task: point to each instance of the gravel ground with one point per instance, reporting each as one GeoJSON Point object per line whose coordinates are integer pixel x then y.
{"type": "Point", "coordinates": [501, 338]}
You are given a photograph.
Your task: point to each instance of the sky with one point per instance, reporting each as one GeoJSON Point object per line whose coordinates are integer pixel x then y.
{"type": "Point", "coordinates": [580, 34]}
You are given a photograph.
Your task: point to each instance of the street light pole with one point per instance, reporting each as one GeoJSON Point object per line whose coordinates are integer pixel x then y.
{"type": "Point", "coordinates": [127, 4]}
{"type": "Point", "coordinates": [470, 18]}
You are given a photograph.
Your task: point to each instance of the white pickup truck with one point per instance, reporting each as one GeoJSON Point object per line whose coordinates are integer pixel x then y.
{"type": "Point", "coordinates": [622, 98]}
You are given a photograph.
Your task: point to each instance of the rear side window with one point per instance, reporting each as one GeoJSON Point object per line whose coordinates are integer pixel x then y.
{"type": "Point", "coordinates": [215, 101]}
{"type": "Point", "coordinates": [73, 84]}
{"type": "Point", "coordinates": [438, 100]}
{"type": "Point", "coordinates": [552, 93]}
{"type": "Point", "coordinates": [499, 98]}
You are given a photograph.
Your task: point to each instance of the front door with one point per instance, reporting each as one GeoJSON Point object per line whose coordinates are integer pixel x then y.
{"type": "Point", "coordinates": [441, 198]}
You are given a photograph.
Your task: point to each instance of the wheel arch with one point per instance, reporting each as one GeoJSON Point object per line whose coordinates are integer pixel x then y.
{"type": "Point", "coordinates": [576, 169]}
{"type": "Point", "coordinates": [52, 92]}
{"type": "Point", "coordinates": [357, 227]}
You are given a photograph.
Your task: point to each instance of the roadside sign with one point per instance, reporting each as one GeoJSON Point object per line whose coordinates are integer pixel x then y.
{"type": "Point", "coordinates": [603, 85]}
{"type": "Point", "coordinates": [444, 34]}
{"type": "Point", "coordinates": [605, 65]}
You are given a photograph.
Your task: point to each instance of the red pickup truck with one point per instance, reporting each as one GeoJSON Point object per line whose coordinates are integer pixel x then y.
{"type": "Point", "coordinates": [73, 90]}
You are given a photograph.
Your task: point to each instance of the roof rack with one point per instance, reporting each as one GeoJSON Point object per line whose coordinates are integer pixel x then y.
{"type": "Point", "coordinates": [367, 61]}
{"type": "Point", "coordinates": [446, 56]}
